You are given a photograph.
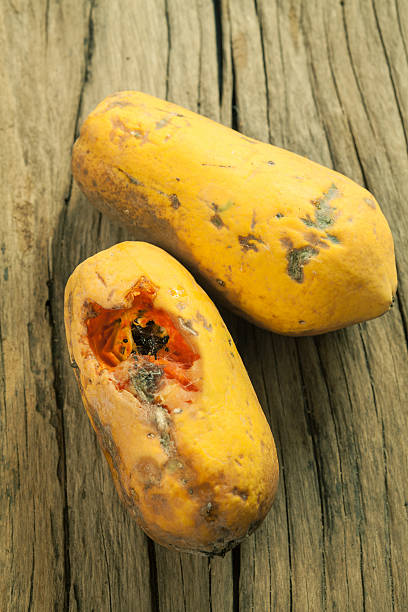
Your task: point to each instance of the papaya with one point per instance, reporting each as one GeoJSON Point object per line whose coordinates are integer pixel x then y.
{"type": "Point", "coordinates": [188, 445]}
{"type": "Point", "coordinates": [294, 247]}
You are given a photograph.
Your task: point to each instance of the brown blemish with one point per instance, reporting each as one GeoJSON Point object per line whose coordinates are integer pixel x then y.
{"type": "Point", "coordinates": [101, 279]}
{"type": "Point", "coordinates": [165, 121]}
{"type": "Point", "coordinates": [286, 243]}
{"type": "Point", "coordinates": [315, 240]}
{"type": "Point", "coordinates": [175, 202]}
{"type": "Point", "coordinates": [297, 259]}
{"type": "Point", "coordinates": [242, 494]}
{"type": "Point", "coordinates": [247, 242]}
{"type": "Point", "coordinates": [220, 282]}
{"type": "Point", "coordinates": [218, 165]}
{"type": "Point", "coordinates": [174, 464]}
{"type": "Point", "coordinates": [270, 163]}
{"type": "Point", "coordinates": [159, 504]}
{"type": "Point", "coordinates": [127, 132]}
{"type": "Point", "coordinates": [253, 222]}
{"type": "Point", "coordinates": [204, 321]}
{"type": "Point", "coordinates": [149, 472]}
{"type": "Point", "coordinates": [117, 103]}
{"type": "Point", "coordinates": [208, 511]}
{"type": "Point", "coordinates": [131, 178]}
{"type": "Point", "coordinates": [370, 202]}
{"type": "Point", "coordinates": [187, 326]}
{"type": "Point", "coordinates": [279, 215]}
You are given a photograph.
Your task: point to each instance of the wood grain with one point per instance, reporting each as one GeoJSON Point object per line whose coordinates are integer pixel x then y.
{"type": "Point", "coordinates": [328, 80]}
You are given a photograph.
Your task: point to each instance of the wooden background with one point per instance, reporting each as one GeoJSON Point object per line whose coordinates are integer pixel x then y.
{"type": "Point", "coordinates": [325, 78]}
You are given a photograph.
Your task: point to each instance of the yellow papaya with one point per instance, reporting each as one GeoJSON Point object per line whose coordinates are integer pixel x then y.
{"type": "Point", "coordinates": [188, 445]}
{"type": "Point", "coordinates": [294, 247]}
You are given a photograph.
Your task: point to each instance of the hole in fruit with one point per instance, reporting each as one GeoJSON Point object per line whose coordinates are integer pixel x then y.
{"type": "Point", "coordinates": [146, 350]}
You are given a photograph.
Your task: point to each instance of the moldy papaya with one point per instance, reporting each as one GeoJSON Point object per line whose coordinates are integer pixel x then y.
{"type": "Point", "coordinates": [188, 445]}
{"type": "Point", "coordinates": [294, 247]}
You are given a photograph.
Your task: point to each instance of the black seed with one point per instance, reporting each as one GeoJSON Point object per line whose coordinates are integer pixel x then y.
{"type": "Point", "coordinates": [150, 338]}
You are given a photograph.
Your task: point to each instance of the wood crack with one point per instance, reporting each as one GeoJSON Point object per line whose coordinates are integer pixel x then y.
{"type": "Point", "coordinates": [89, 50]}
{"type": "Point", "coordinates": [107, 567]}
{"type": "Point", "coordinates": [387, 61]}
{"type": "Point", "coordinates": [209, 585]}
{"type": "Point", "coordinates": [59, 424]}
{"type": "Point", "coordinates": [259, 17]}
{"type": "Point", "coordinates": [153, 581]}
{"type": "Point", "coordinates": [236, 574]}
{"type": "Point", "coordinates": [182, 584]}
{"type": "Point", "coordinates": [320, 478]}
{"type": "Point", "coordinates": [218, 40]}
{"type": "Point", "coordinates": [234, 108]}
{"type": "Point", "coordinates": [167, 17]}
{"type": "Point", "coordinates": [387, 516]}
{"type": "Point", "coordinates": [353, 68]}
{"type": "Point", "coordinates": [282, 476]}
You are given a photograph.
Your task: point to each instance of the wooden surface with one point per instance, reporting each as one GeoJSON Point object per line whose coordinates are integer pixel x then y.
{"type": "Point", "coordinates": [325, 78]}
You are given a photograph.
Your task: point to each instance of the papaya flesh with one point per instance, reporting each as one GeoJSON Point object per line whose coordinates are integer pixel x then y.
{"type": "Point", "coordinates": [292, 246]}
{"type": "Point", "coordinates": [189, 448]}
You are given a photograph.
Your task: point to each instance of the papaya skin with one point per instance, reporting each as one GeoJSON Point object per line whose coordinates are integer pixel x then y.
{"type": "Point", "coordinates": [290, 245]}
{"type": "Point", "coordinates": [197, 470]}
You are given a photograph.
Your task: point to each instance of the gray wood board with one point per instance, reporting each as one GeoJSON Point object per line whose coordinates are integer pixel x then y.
{"type": "Point", "coordinates": [326, 79]}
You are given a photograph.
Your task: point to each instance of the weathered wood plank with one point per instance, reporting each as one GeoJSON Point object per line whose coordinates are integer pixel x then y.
{"type": "Point", "coordinates": [35, 175]}
{"type": "Point", "coordinates": [325, 79]}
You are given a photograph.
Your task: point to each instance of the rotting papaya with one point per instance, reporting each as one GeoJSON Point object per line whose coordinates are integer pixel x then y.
{"type": "Point", "coordinates": [188, 445]}
{"type": "Point", "coordinates": [294, 247]}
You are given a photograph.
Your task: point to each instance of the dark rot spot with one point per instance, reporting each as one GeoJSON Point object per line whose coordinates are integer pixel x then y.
{"type": "Point", "coordinates": [249, 242]}
{"type": "Point", "coordinates": [208, 511]}
{"type": "Point", "coordinates": [271, 163]}
{"type": "Point", "coordinates": [297, 259]}
{"type": "Point", "coordinates": [279, 215]}
{"type": "Point", "coordinates": [217, 221]}
{"type": "Point", "coordinates": [220, 282]}
{"type": "Point", "coordinates": [242, 494]}
{"type": "Point", "coordinates": [174, 201]}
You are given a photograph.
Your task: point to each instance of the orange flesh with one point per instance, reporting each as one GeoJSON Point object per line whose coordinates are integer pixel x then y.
{"type": "Point", "coordinates": [111, 340]}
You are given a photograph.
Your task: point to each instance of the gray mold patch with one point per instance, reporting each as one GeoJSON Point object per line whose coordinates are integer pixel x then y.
{"type": "Point", "coordinates": [297, 259]}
